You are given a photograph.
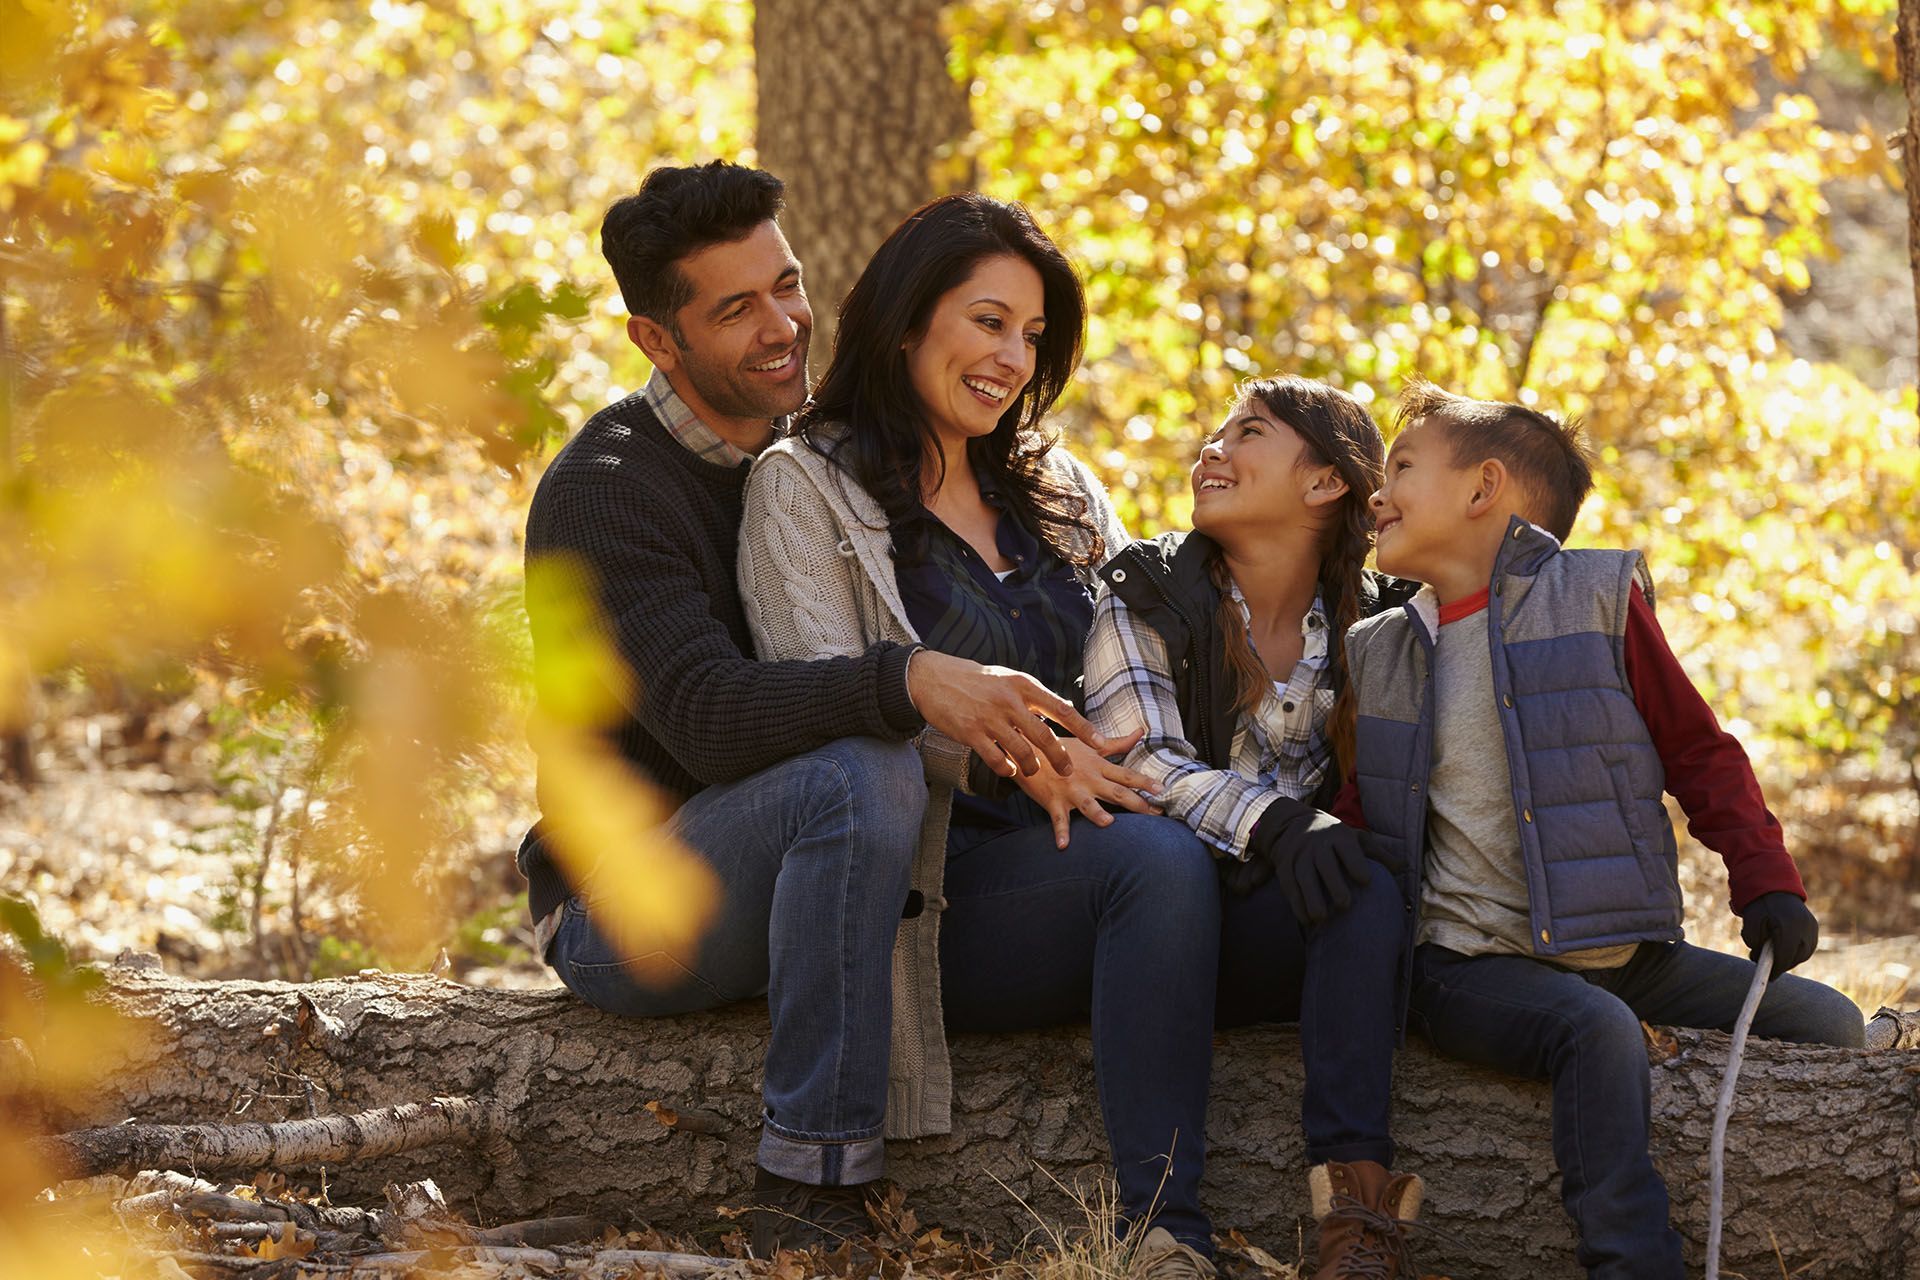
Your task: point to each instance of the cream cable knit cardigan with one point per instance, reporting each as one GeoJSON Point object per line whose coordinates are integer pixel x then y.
{"type": "Point", "coordinates": [816, 577]}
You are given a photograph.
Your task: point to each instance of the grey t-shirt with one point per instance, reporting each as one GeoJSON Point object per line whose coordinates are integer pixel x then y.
{"type": "Point", "coordinates": [1474, 893]}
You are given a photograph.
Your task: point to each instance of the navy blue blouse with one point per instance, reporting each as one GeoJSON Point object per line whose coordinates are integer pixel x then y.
{"type": "Point", "coordinates": [1035, 621]}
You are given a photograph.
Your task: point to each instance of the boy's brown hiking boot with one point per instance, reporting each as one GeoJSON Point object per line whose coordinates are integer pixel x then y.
{"type": "Point", "coordinates": [1364, 1209]}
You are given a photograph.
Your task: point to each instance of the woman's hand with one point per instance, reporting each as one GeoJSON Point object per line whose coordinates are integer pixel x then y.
{"type": "Point", "coordinates": [997, 713]}
{"type": "Point", "coordinates": [1094, 779]}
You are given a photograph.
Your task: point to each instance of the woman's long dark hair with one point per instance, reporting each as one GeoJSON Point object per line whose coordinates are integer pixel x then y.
{"type": "Point", "coordinates": [1338, 432]}
{"type": "Point", "coordinates": [867, 386]}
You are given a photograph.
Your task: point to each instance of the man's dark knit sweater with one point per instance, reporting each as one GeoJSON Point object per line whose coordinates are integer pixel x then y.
{"type": "Point", "coordinates": [628, 517]}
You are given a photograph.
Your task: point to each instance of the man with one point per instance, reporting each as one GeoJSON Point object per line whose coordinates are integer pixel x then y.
{"type": "Point", "coordinates": [794, 781]}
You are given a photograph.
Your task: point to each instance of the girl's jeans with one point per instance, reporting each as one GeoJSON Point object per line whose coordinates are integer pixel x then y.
{"type": "Point", "coordinates": [1341, 980]}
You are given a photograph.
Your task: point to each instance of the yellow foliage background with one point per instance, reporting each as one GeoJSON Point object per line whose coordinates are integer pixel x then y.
{"type": "Point", "coordinates": [296, 297]}
{"type": "Point", "coordinates": [300, 295]}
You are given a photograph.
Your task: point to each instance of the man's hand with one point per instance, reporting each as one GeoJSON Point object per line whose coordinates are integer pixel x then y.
{"type": "Point", "coordinates": [996, 712]}
{"type": "Point", "coordinates": [1318, 859]}
{"type": "Point", "coordinates": [1093, 780]}
{"type": "Point", "coordinates": [1784, 918]}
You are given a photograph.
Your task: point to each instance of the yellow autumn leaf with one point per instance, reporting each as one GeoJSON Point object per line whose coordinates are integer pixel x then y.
{"type": "Point", "coordinates": [287, 1241]}
{"type": "Point", "coordinates": [607, 828]}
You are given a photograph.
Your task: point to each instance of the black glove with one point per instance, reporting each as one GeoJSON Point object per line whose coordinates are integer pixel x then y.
{"type": "Point", "coordinates": [1318, 859]}
{"type": "Point", "coordinates": [1784, 918]}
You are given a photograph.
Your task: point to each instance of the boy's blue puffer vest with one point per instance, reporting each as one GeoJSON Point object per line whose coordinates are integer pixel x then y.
{"type": "Point", "coordinates": [1587, 782]}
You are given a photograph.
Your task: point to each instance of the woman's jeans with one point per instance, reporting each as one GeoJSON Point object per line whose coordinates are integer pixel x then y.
{"type": "Point", "coordinates": [1581, 1030]}
{"type": "Point", "coordinates": [1122, 926]}
{"type": "Point", "coordinates": [1341, 980]}
{"type": "Point", "coordinates": [814, 856]}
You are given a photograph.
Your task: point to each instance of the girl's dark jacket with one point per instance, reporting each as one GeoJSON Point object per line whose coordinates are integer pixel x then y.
{"type": "Point", "coordinates": [1165, 582]}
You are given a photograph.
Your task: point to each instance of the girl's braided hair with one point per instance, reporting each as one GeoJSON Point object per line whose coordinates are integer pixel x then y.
{"type": "Point", "coordinates": [1338, 432]}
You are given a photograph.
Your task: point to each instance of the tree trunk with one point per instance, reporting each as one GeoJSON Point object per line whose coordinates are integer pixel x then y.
{"type": "Point", "coordinates": [856, 110]}
{"type": "Point", "coordinates": [1823, 1153]}
{"type": "Point", "coordinates": [16, 697]}
{"type": "Point", "coordinates": [1907, 42]}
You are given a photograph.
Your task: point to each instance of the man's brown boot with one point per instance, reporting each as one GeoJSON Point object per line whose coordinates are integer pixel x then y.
{"type": "Point", "coordinates": [1363, 1210]}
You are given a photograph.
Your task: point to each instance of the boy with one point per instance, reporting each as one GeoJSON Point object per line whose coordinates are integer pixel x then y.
{"type": "Point", "coordinates": [1519, 719]}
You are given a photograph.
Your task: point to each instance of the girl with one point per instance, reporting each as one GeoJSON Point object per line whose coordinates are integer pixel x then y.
{"type": "Point", "coordinates": [1226, 644]}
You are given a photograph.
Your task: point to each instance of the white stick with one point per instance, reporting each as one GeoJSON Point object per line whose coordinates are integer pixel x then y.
{"type": "Point", "coordinates": [1716, 1156]}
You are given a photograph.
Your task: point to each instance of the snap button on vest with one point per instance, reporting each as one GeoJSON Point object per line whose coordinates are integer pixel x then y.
{"type": "Point", "coordinates": [1544, 937]}
{"type": "Point", "coordinates": [1527, 814]}
{"type": "Point", "coordinates": [1119, 575]}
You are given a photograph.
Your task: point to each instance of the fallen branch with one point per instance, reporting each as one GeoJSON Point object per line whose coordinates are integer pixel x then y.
{"type": "Point", "coordinates": [539, 1233]}
{"type": "Point", "coordinates": [127, 1149]}
{"type": "Point", "coordinates": [685, 1266]}
{"type": "Point", "coordinates": [681, 1266]}
{"type": "Point", "coordinates": [1893, 1029]}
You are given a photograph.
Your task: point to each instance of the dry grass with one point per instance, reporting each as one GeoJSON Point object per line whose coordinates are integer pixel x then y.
{"type": "Point", "coordinates": [1091, 1244]}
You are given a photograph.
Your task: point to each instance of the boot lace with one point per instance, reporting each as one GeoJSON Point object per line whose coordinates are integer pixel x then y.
{"type": "Point", "coordinates": [1381, 1252]}
{"type": "Point", "coordinates": [799, 1213]}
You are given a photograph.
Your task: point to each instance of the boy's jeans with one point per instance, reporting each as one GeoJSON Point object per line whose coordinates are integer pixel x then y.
{"type": "Point", "coordinates": [1123, 927]}
{"type": "Point", "coordinates": [814, 856]}
{"type": "Point", "coordinates": [1582, 1032]}
{"type": "Point", "coordinates": [1341, 980]}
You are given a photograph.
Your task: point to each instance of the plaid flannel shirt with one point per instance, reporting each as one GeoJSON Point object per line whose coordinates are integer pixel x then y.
{"type": "Point", "coordinates": [1281, 749]}
{"type": "Point", "coordinates": [684, 425]}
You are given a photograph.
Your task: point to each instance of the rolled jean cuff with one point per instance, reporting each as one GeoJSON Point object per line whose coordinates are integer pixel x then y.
{"type": "Point", "coordinates": [822, 1162]}
{"type": "Point", "coordinates": [1381, 1153]}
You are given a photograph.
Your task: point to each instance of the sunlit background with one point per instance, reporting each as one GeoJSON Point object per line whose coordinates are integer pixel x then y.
{"type": "Point", "coordinates": [297, 298]}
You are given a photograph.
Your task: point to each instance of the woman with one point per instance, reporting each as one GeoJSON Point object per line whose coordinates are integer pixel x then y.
{"type": "Point", "coordinates": [918, 502]}
{"type": "Point", "coordinates": [1226, 644]}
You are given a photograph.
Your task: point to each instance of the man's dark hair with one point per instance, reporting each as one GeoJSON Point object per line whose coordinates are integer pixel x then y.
{"type": "Point", "coordinates": [676, 212]}
{"type": "Point", "coordinates": [1548, 457]}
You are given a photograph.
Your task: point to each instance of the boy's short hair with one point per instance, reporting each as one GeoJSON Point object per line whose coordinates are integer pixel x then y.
{"type": "Point", "coordinates": [678, 211]}
{"type": "Point", "coordinates": [1548, 457]}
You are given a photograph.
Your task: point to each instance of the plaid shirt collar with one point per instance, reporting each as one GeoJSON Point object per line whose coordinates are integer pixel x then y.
{"type": "Point", "coordinates": [684, 425]}
{"type": "Point", "coordinates": [1313, 628]}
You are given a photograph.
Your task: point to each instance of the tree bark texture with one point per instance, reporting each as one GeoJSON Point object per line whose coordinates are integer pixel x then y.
{"type": "Point", "coordinates": [855, 108]}
{"type": "Point", "coordinates": [1907, 43]}
{"type": "Point", "coordinates": [1823, 1151]}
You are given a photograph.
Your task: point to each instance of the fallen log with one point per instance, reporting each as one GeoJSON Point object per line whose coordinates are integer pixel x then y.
{"type": "Point", "coordinates": [1823, 1151]}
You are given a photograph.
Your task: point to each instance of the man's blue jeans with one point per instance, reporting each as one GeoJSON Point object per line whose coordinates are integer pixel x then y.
{"type": "Point", "coordinates": [814, 855]}
{"type": "Point", "coordinates": [1123, 927]}
{"type": "Point", "coordinates": [1582, 1032]}
{"type": "Point", "coordinates": [1341, 980]}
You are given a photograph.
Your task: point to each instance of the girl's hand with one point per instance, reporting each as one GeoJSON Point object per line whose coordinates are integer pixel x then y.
{"type": "Point", "coordinates": [1094, 779]}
